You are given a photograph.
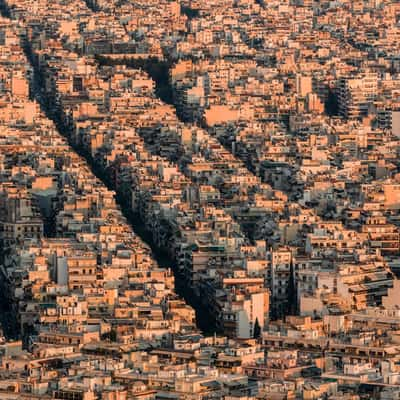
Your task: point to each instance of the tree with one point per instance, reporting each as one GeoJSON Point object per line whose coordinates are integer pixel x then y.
{"type": "Point", "coordinates": [331, 104]}
{"type": "Point", "coordinates": [113, 335]}
{"type": "Point", "coordinates": [257, 329]}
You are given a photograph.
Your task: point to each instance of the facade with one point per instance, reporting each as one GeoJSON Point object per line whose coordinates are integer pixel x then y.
{"type": "Point", "coordinates": [199, 199]}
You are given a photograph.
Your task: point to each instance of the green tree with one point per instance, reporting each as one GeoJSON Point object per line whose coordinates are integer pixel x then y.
{"type": "Point", "coordinates": [257, 329]}
{"type": "Point", "coordinates": [113, 335]}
